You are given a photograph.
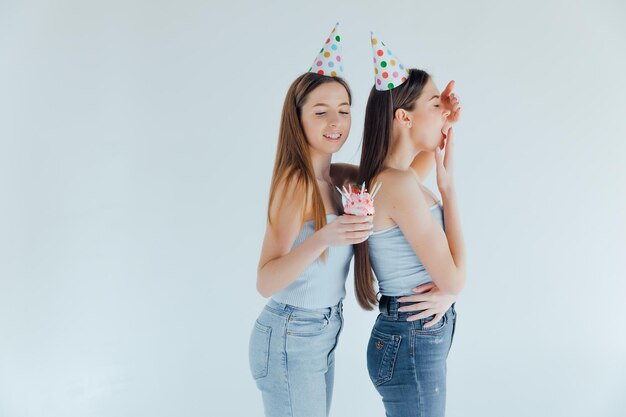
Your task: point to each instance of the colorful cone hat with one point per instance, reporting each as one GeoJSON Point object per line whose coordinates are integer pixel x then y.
{"type": "Point", "coordinates": [388, 70]}
{"type": "Point", "coordinates": [328, 61]}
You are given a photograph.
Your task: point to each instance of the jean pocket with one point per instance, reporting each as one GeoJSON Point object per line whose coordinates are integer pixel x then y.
{"type": "Point", "coordinates": [259, 352]}
{"type": "Point", "coordinates": [305, 325]}
{"type": "Point", "coordinates": [382, 351]}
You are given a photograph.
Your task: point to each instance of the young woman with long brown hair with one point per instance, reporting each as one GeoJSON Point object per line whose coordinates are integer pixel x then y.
{"type": "Point", "coordinates": [406, 356]}
{"type": "Point", "coordinates": [307, 246]}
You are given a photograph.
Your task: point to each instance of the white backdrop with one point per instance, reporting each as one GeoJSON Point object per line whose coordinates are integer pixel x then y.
{"type": "Point", "coordinates": [137, 142]}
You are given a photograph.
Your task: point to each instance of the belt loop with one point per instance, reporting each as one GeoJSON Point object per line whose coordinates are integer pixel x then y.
{"type": "Point", "coordinates": [394, 307]}
{"type": "Point", "coordinates": [288, 309]}
{"type": "Point", "coordinates": [336, 309]}
{"type": "Point", "coordinates": [383, 305]}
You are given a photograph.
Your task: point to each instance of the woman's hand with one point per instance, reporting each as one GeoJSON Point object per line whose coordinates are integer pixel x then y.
{"type": "Point", "coordinates": [444, 164]}
{"type": "Point", "coordinates": [431, 300]}
{"type": "Point", "coordinates": [347, 229]}
{"type": "Point", "coordinates": [450, 102]}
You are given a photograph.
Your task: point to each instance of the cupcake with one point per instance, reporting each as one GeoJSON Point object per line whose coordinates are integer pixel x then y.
{"type": "Point", "coordinates": [357, 201]}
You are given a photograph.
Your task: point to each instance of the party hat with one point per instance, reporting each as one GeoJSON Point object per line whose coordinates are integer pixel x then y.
{"type": "Point", "coordinates": [328, 61]}
{"type": "Point", "coordinates": [388, 70]}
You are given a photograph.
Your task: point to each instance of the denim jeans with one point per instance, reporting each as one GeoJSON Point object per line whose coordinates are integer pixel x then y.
{"type": "Point", "coordinates": [407, 362]}
{"type": "Point", "coordinates": [292, 358]}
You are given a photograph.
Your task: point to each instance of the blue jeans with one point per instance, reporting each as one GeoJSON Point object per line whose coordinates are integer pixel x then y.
{"type": "Point", "coordinates": [407, 362]}
{"type": "Point", "coordinates": [292, 358]}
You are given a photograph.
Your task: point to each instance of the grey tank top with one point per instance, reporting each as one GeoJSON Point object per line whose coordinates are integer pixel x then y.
{"type": "Point", "coordinates": [323, 283]}
{"type": "Point", "coordinates": [395, 264]}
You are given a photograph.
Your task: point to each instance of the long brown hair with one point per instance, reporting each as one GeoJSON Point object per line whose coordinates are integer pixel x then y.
{"type": "Point", "coordinates": [377, 133]}
{"type": "Point", "coordinates": [293, 157]}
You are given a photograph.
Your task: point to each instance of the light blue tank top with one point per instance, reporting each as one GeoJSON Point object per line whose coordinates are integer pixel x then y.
{"type": "Point", "coordinates": [397, 267]}
{"type": "Point", "coordinates": [323, 283]}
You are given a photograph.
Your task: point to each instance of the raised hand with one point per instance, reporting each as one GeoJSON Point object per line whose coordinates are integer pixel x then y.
{"type": "Point", "coordinates": [450, 101]}
{"type": "Point", "coordinates": [445, 164]}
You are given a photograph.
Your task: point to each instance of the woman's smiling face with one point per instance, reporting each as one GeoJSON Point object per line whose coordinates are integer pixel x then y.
{"type": "Point", "coordinates": [325, 118]}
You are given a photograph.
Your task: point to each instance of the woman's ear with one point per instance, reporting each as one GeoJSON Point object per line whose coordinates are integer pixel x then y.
{"type": "Point", "coordinates": [403, 117]}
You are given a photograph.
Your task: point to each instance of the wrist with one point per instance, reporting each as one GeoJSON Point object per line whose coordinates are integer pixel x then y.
{"type": "Point", "coordinates": [448, 191]}
{"type": "Point", "coordinates": [319, 239]}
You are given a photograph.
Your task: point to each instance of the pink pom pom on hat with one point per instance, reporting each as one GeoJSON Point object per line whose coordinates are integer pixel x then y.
{"type": "Point", "coordinates": [389, 72]}
{"type": "Point", "coordinates": [329, 60]}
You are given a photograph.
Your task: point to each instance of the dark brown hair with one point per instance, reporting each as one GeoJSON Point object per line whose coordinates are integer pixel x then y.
{"type": "Point", "coordinates": [377, 131]}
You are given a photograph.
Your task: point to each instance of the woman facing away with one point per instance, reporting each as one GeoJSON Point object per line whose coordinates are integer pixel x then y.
{"type": "Point", "coordinates": [410, 245]}
{"type": "Point", "coordinates": [308, 245]}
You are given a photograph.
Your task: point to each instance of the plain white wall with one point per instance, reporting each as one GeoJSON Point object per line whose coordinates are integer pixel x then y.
{"type": "Point", "coordinates": [137, 142]}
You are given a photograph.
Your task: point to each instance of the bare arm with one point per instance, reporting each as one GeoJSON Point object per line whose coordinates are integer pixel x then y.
{"type": "Point", "coordinates": [279, 266]}
{"type": "Point", "coordinates": [454, 234]}
{"type": "Point", "coordinates": [445, 183]}
{"type": "Point", "coordinates": [441, 252]}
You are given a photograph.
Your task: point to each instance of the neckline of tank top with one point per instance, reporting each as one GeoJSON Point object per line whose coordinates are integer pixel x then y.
{"type": "Point", "coordinates": [437, 204]}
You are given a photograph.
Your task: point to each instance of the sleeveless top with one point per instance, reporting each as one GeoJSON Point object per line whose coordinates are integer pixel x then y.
{"type": "Point", "coordinates": [395, 264]}
{"type": "Point", "coordinates": [323, 283]}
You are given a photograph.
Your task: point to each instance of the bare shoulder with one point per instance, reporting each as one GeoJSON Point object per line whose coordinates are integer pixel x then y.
{"type": "Point", "coordinates": [288, 185]}
{"type": "Point", "coordinates": [397, 179]}
{"type": "Point", "coordinates": [285, 218]}
{"type": "Point", "coordinates": [343, 173]}
{"type": "Point", "coordinates": [289, 196]}
{"type": "Point", "coordinates": [398, 187]}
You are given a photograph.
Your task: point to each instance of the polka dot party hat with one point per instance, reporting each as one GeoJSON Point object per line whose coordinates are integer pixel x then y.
{"type": "Point", "coordinates": [328, 61]}
{"type": "Point", "coordinates": [388, 70]}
